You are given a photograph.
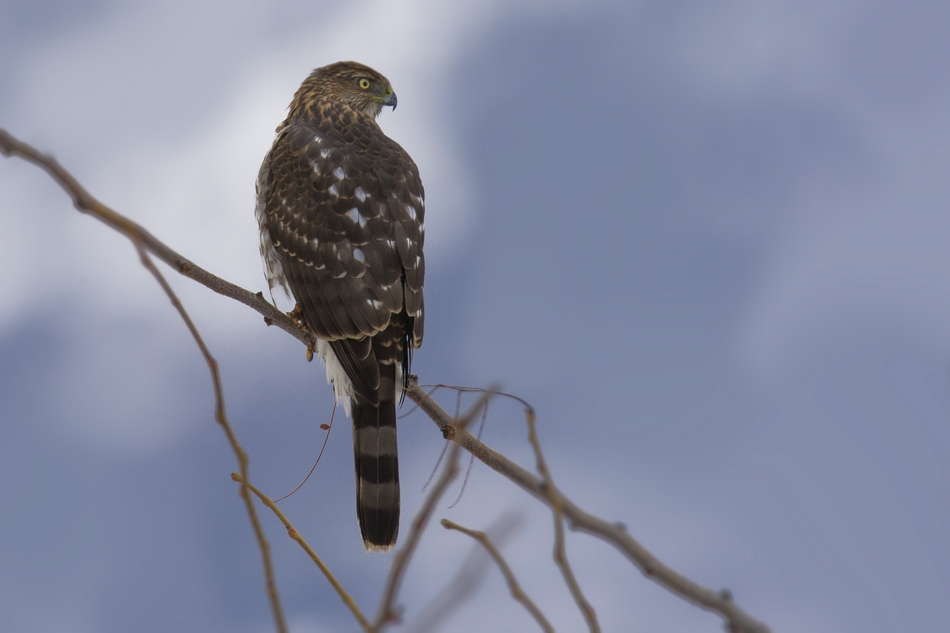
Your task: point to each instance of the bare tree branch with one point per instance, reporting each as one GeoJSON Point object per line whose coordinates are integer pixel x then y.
{"type": "Point", "coordinates": [222, 419]}
{"type": "Point", "coordinates": [737, 621]}
{"type": "Point", "coordinates": [463, 585]}
{"type": "Point", "coordinates": [294, 534]}
{"type": "Point", "coordinates": [516, 591]}
{"type": "Point", "coordinates": [145, 243]}
{"type": "Point", "coordinates": [560, 553]}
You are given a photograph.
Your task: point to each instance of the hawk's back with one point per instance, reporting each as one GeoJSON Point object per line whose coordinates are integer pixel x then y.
{"type": "Point", "coordinates": [341, 207]}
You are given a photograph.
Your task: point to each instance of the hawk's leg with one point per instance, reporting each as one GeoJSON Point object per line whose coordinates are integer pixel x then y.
{"type": "Point", "coordinates": [296, 315]}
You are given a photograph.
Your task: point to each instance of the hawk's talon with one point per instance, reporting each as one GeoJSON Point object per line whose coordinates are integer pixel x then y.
{"type": "Point", "coordinates": [296, 315]}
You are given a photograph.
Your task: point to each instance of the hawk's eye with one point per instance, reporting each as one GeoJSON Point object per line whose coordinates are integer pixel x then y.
{"type": "Point", "coordinates": [364, 83]}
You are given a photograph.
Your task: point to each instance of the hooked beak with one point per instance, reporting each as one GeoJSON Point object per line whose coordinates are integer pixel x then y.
{"type": "Point", "coordinates": [390, 100]}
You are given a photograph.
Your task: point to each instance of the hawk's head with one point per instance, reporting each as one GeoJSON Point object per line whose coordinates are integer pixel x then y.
{"type": "Point", "coordinates": [359, 86]}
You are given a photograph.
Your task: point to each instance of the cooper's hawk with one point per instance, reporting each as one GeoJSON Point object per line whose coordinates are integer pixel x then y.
{"type": "Point", "coordinates": [340, 207]}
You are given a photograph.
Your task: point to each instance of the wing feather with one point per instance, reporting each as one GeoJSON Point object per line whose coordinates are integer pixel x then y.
{"type": "Point", "coordinates": [344, 213]}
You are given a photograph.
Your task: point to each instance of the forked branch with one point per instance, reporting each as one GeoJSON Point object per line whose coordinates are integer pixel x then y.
{"type": "Point", "coordinates": [737, 621]}
{"type": "Point", "coordinates": [144, 244]}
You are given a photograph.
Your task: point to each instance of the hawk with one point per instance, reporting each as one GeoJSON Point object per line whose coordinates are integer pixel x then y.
{"type": "Point", "coordinates": [340, 207]}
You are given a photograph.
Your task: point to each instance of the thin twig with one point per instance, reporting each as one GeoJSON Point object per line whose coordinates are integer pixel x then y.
{"type": "Point", "coordinates": [463, 585]}
{"type": "Point", "coordinates": [737, 620]}
{"type": "Point", "coordinates": [222, 419]}
{"type": "Point", "coordinates": [326, 439]}
{"type": "Point", "coordinates": [471, 458]}
{"type": "Point", "coordinates": [560, 553]}
{"type": "Point", "coordinates": [144, 244]}
{"type": "Point", "coordinates": [387, 613]}
{"type": "Point", "coordinates": [464, 389]}
{"type": "Point", "coordinates": [294, 534]}
{"type": "Point", "coordinates": [516, 591]}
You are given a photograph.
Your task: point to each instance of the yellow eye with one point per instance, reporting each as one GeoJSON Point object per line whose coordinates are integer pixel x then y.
{"type": "Point", "coordinates": [364, 83]}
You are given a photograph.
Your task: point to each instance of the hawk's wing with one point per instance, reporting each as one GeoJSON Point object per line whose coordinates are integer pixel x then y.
{"type": "Point", "coordinates": [344, 213]}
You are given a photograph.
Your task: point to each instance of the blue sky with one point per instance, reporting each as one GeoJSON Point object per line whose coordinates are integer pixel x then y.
{"type": "Point", "coordinates": [708, 242]}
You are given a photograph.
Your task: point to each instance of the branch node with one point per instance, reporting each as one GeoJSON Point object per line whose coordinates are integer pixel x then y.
{"type": "Point", "coordinates": [725, 595]}
{"type": "Point", "coordinates": [394, 615]}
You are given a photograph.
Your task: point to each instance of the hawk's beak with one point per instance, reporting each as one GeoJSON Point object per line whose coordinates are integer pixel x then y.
{"type": "Point", "coordinates": [390, 100]}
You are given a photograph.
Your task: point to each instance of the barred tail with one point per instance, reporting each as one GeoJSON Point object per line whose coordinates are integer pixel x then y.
{"type": "Point", "coordinates": [377, 469]}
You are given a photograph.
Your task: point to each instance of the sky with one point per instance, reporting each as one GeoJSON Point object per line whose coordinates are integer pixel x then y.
{"type": "Point", "coordinates": [707, 241]}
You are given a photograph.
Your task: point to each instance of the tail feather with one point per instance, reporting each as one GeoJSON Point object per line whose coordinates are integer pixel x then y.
{"type": "Point", "coordinates": [377, 469]}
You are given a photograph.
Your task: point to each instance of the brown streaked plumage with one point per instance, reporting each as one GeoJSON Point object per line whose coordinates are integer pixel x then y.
{"type": "Point", "coordinates": [340, 207]}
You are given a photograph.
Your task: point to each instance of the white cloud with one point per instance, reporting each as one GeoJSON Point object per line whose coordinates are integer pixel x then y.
{"type": "Point", "coordinates": [165, 112]}
{"type": "Point", "coordinates": [856, 245]}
